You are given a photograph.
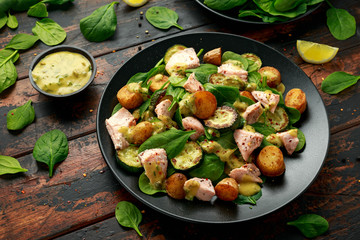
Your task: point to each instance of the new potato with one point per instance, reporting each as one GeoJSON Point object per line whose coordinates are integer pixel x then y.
{"type": "Point", "coordinates": [174, 185]}
{"type": "Point", "coordinates": [205, 103]}
{"type": "Point", "coordinates": [213, 57]}
{"type": "Point", "coordinates": [296, 98]}
{"type": "Point", "coordinates": [273, 77]}
{"type": "Point", "coordinates": [129, 99]}
{"type": "Point", "coordinates": [270, 161]}
{"type": "Point", "coordinates": [158, 81]}
{"type": "Point", "coordinates": [141, 132]}
{"type": "Point", "coordinates": [227, 189]}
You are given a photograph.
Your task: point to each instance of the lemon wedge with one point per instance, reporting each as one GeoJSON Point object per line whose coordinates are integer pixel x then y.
{"type": "Point", "coordinates": [135, 3]}
{"type": "Point", "coordinates": [315, 52]}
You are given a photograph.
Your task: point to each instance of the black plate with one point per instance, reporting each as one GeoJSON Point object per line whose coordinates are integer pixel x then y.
{"type": "Point", "coordinates": [301, 169]}
{"type": "Point", "coordinates": [233, 14]}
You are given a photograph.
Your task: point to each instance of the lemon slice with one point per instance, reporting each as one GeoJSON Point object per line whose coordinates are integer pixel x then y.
{"type": "Point", "coordinates": [315, 52]}
{"type": "Point", "coordinates": [135, 3]}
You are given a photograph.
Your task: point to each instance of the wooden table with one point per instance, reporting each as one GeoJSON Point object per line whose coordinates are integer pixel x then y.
{"type": "Point", "coordinates": [78, 202]}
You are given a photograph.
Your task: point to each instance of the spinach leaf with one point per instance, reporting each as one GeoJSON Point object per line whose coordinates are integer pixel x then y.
{"type": "Point", "coordinates": [12, 22]}
{"type": "Point", "coordinates": [338, 81]}
{"type": "Point", "coordinates": [128, 215]}
{"type": "Point", "coordinates": [162, 17]}
{"type": "Point", "coordinates": [294, 114]}
{"type": "Point", "coordinates": [38, 10]}
{"type": "Point", "coordinates": [8, 74]}
{"type": "Point", "coordinates": [211, 167]}
{"type": "Point", "coordinates": [23, 5]}
{"type": "Point", "coordinates": [302, 141]}
{"type": "Point", "coordinates": [57, 2]}
{"type": "Point", "coordinates": [178, 119]}
{"type": "Point", "coordinates": [241, 199]}
{"type": "Point", "coordinates": [311, 225]}
{"type": "Point", "coordinates": [341, 23]}
{"type": "Point", "coordinates": [144, 107]}
{"type": "Point", "coordinates": [49, 32]}
{"type": "Point", "coordinates": [177, 93]}
{"type": "Point", "coordinates": [116, 108]}
{"type": "Point", "coordinates": [101, 24]}
{"type": "Point", "coordinates": [268, 6]}
{"type": "Point", "coordinates": [263, 128]}
{"type": "Point", "coordinates": [138, 77]}
{"type": "Point", "coordinates": [249, 13]}
{"type": "Point", "coordinates": [177, 80]}
{"type": "Point", "coordinates": [3, 19]}
{"type": "Point", "coordinates": [22, 41]}
{"type": "Point", "coordinates": [6, 5]}
{"type": "Point", "coordinates": [173, 141]}
{"type": "Point", "coordinates": [154, 71]}
{"type": "Point", "coordinates": [229, 55]}
{"type": "Point", "coordinates": [5, 53]}
{"type": "Point", "coordinates": [203, 72]}
{"type": "Point", "coordinates": [145, 187]}
{"type": "Point", "coordinates": [286, 5]}
{"type": "Point", "coordinates": [20, 117]}
{"type": "Point", "coordinates": [224, 4]}
{"type": "Point", "coordinates": [9, 165]}
{"type": "Point", "coordinates": [226, 140]}
{"type": "Point", "coordinates": [246, 100]}
{"type": "Point", "coordinates": [223, 93]}
{"type": "Point", "coordinates": [51, 148]}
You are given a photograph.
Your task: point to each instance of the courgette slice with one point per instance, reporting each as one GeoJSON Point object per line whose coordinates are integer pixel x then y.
{"type": "Point", "coordinates": [224, 117]}
{"type": "Point", "coordinates": [171, 51]}
{"type": "Point", "coordinates": [189, 157]}
{"type": "Point", "coordinates": [278, 120]}
{"type": "Point", "coordinates": [128, 159]}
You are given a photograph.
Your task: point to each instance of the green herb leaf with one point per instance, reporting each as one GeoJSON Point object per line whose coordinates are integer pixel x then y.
{"type": "Point", "coordinates": [241, 199]}
{"type": "Point", "coordinates": [226, 140]}
{"type": "Point", "coordinates": [22, 41]}
{"type": "Point", "coordinates": [9, 165]}
{"type": "Point", "coordinates": [224, 4]}
{"type": "Point", "coordinates": [12, 22]}
{"type": "Point", "coordinates": [223, 93]}
{"type": "Point", "coordinates": [49, 32]}
{"type": "Point", "coordinates": [211, 167]}
{"type": "Point", "coordinates": [51, 148]}
{"type": "Point", "coordinates": [145, 186]}
{"type": "Point", "coordinates": [341, 23]}
{"type": "Point", "coordinates": [138, 77]}
{"type": "Point", "coordinates": [128, 215]}
{"type": "Point", "coordinates": [57, 2]}
{"type": "Point", "coordinates": [229, 55]}
{"type": "Point", "coordinates": [22, 5]}
{"type": "Point", "coordinates": [263, 128]}
{"type": "Point", "coordinates": [5, 53]}
{"type": "Point", "coordinates": [20, 117]}
{"type": "Point", "coordinates": [311, 225]}
{"type": "Point", "coordinates": [6, 4]}
{"type": "Point", "coordinates": [302, 141]}
{"type": "Point", "coordinates": [338, 81]}
{"type": "Point", "coordinates": [3, 19]}
{"type": "Point", "coordinates": [162, 17]}
{"type": "Point", "coordinates": [101, 24]}
{"type": "Point", "coordinates": [116, 108]}
{"type": "Point", "coordinates": [8, 74]}
{"type": "Point", "coordinates": [38, 10]}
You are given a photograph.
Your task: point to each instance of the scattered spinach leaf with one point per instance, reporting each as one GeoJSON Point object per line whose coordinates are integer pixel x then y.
{"type": "Point", "coordinates": [101, 24]}
{"type": "Point", "coordinates": [10, 165]}
{"type": "Point", "coordinates": [49, 32]}
{"type": "Point", "coordinates": [20, 117]}
{"type": "Point", "coordinates": [340, 22]}
{"type": "Point", "coordinates": [22, 41]}
{"type": "Point", "coordinates": [38, 10]}
{"type": "Point", "coordinates": [128, 215]}
{"type": "Point", "coordinates": [211, 167]}
{"type": "Point", "coordinates": [3, 19]}
{"type": "Point", "coordinates": [12, 22]}
{"type": "Point", "coordinates": [4, 53]}
{"type": "Point", "coordinates": [311, 225]}
{"type": "Point", "coordinates": [224, 4]}
{"type": "Point", "coordinates": [338, 81]}
{"type": "Point", "coordinates": [23, 5]}
{"type": "Point", "coordinates": [229, 55]}
{"type": "Point", "coordinates": [51, 148]}
{"type": "Point", "coordinates": [8, 74]}
{"type": "Point", "coordinates": [241, 199]}
{"type": "Point", "coordinates": [145, 187]}
{"type": "Point", "coordinates": [57, 2]}
{"type": "Point", "coordinates": [162, 17]}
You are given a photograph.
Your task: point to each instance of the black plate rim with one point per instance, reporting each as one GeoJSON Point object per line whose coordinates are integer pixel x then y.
{"type": "Point", "coordinates": [159, 209]}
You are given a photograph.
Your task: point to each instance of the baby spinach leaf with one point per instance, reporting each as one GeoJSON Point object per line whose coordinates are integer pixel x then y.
{"type": "Point", "coordinates": [223, 93]}
{"type": "Point", "coordinates": [116, 108]}
{"type": "Point", "coordinates": [224, 4]}
{"type": "Point", "coordinates": [3, 19]}
{"type": "Point", "coordinates": [302, 141]}
{"type": "Point", "coordinates": [229, 55]}
{"type": "Point", "coordinates": [22, 41]}
{"type": "Point", "coordinates": [128, 215]}
{"type": "Point", "coordinates": [5, 53]}
{"type": "Point", "coordinates": [101, 24]}
{"type": "Point", "coordinates": [138, 77]}
{"type": "Point", "coordinates": [311, 225]}
{"type": "Point", "coordinates": [162, 17]}
{"type": "Point", "coordinates": [203, 72]}
{"type": "Point", "coordinates": [51, 148]}
{"type": "Point", "coordinates": [173, 141]}
{"type": "Point", "coordinates": [226, 140]}
{"type": "Point", "coordinates": [154, 71]}
{"type": "Point", "coordinates": [293, 113]}
{"type": "Point", "coordinates": [49, 32]}
{"type": "Point", "coordinates": [341, 23]}
{"type": "Point", "coordinates": [178, 119]}
{"type": "Point", "coordinates": [241, 199]}
{"type": "Point", "coordinates": [57, 2]}
{"type": "Point", "coordinates": [9, 165]}
{"type": "Point", "coordinates": [8, 74]}
{"type": "Point", "coordinates": [211, 167]}
{"type": "Point", "coordinates": [338, 81]}
{"type": "Point", "coordinates": [6, 4]}
{"type": "Point", "coordinates": [12, 22]}
{"type": "Point", "coordinates": [23, 5]}
{"type": "Point", "coordinates": [20, 117]}
{"type": "Point", "coordinates": [263, 128]}
{"type": "Point", "coordinates": [145, 187]}
{"type": "Point", "coordinates": [38, 10]}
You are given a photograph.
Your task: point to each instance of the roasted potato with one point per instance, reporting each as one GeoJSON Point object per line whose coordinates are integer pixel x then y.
{"type": "Point", "coordinates": [227, 189]}
{"type": "Point", "coordinates": [158, 81]}
{"type": "Point", "coordinates": [213, 57]}
{"type": "Point", "coordinates": [270, 161]}
{"type": "Point", "coordinates": [141, 132]}
{"type": "Point", "coordinates": [205, 103]}
{"type": "Point", "coordinates": [296, 98]}
{"type": "Point", "coordinates": [174, 186]}
{"type": "Point", "coordinates": [129, 97]}
{"type": "Point", "coordinates": [273, 77]}
{"type": "Point", "coordinates": [248, 95]}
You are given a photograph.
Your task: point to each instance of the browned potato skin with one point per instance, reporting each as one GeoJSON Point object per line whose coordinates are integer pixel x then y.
{"type": "Point", "coordinates": [213, 57]}
{"type": "Point", "coordinates": [296, 98]}
{"type": "Point", "coordinates": [205, 103]}
{"type": "Point", "coordinates": [174, 185]}
{"type": "Point", "coordinates": [270, 161]}
{"type": "Point", "coordinates": [273, 77]}
{"type": "Point", "coordinates": [129, 99]}
{"type": "Point", "coordinates": [227, 189]}
{"type": "Point", "coordinates": [248, 95]}
{"type": "Point", "coordinates": [156, 83]}
{"type": "Point", "coordinates": [141, 132]}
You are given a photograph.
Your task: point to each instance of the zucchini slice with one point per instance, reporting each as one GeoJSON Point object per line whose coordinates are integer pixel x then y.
{"type": "Point", "coordinates": [278, 120]}
{"type": "Point", "coordinates": [189, 157]}
{"type": "Point", "coordinates": [128, 159]}
{"type": "Point", "coordinates": [224, 117]}
{"type": "Point", "coordinates": [171, 51]}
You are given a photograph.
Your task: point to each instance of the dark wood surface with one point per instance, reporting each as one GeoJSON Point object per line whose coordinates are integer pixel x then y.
{"type": "Point", "coordinates": [79, 201]}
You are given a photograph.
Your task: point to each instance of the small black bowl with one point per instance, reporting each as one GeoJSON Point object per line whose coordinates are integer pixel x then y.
{"type": "Point", "coordinates": [62, 48]}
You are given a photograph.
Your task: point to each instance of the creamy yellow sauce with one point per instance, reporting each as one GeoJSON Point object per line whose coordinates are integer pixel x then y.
{"type": "Point", "coordinates": [62, 73]}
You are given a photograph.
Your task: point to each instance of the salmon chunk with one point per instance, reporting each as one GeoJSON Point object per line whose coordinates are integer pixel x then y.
{"type": "Point", "coordinates": [247, 142]}
{"type": "Point", "coordinates": [252, 113]}
{"type": "Point", "coordinates": [200, 188]}
{"type": "Point", "coordinates": [289, 140]}
{"type": "Point", "coordinates": [270, 100]}
{"type": "Point", "coordinates": [229, 69]}
{"type": "Point", "coordinates": [192, 85]}
{"type": "Point", "coordinates": [182, 60]}
{"type": "Point", "coordinates": [191, 123]}
{"type": "Point", "coordinates": [247, 173]}
{"type": "Point", "coordinates": [162, 109]}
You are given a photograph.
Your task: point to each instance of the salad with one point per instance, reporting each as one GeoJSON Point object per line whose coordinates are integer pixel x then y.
{"type": "Point", "coordinates": [196, 129]}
